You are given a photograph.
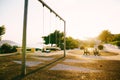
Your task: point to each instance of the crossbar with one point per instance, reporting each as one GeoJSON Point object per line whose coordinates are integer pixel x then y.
{"type": "Point", "coordinates": [51, 10]}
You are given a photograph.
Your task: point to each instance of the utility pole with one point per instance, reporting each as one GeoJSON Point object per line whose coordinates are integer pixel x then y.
{"type": "Point", "coordinates": [23, 72]}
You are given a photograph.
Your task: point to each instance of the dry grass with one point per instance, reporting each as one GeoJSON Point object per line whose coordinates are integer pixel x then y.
{"type": "Point", "coordinates": [71, 75]}
{"type": "Point", "coordinates": [11, 71]}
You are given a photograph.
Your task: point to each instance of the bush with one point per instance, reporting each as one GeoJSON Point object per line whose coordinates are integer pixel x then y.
{"type": "Point", "coordinates": [82, 47]}
{"type": "Point", "coordinates": [117, 43]}
{"type": "Point", "coordinates": [7, 48]}
{"type": "Point", "coordinates": [28, 49]}
{"type": "Point", "coordinates": [37, 49]}
{"type": "Point", "coordinates": [100, 47]}
{"type": "Point", "coordinates": [14, 48]}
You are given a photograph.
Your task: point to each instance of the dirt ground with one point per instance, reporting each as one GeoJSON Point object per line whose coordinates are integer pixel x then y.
{"type": "Point", "coordinates": [74, 66]}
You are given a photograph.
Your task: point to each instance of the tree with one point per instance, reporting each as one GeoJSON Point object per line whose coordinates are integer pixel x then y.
{"type": "Point", "coordinates": [106, 36]}
{"type": "Point", "coordinates": [72, 43]}
{"type": "Point", "coordinates": [2, 31]}
{"type": "Point", "coordinates": [56, 37]}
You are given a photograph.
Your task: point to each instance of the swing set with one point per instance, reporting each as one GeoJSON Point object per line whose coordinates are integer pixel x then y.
{"type": "Point", "coordinates": [25, 29]}
{"type": "Point", "coordinates": [56, 37]}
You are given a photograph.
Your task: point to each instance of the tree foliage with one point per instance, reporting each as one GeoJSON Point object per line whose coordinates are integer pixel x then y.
{"type": "Point", "coordinates": [72, 43]}
{"type": "Point", "coordinates": [88, 43]}
{"type": "Point", "coordinates": [106, 36]}
{"type": "Point", "coordinates": [56, 37]}
{"type": "Point", "coordinates": [2, 31]}
{"type": "Point", "coordinates": [7, 48]}
{"type": "Point", "coordinates": [117, 43]}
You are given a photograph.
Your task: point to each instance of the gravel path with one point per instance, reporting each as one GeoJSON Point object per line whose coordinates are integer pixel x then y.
{"type": "Point", "coordinates": [45, 59]}
{"type": "Point", "coordinates": [8, 54]}
{"type": "Point", "coordinates": [78, 61]}
{"type": "Point", "coordinates": [29, 63]}
{"type": "Point", "coordinates": [72, 68]}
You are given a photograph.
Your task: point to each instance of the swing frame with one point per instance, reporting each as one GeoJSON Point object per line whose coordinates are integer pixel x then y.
{"type": "Point", "coordinates": [51, 10]}
{"type": "Point", "coordinates": [23, 69]}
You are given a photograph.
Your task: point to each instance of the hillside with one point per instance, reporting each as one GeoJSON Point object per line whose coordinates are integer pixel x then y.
{"type": "Point", "coordinates": [12, 43]}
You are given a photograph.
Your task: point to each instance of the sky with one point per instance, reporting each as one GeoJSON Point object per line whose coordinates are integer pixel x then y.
{"type": "Point", "coordinates": [84, 18]}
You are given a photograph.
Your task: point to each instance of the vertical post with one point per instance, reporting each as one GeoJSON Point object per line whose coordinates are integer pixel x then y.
{"type": "Point", "coordinates": [24, 39]}
{"type": "Point", "coordinates": [43, 22]}
{"type": "Point", "coordinates": [50, 29]}
{"type": "Point", "coordinates": [64, 39]}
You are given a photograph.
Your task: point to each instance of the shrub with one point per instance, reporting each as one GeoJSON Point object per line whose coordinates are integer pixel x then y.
{"type": "Point", "coordinates": [7, 48]}
{"type": "Point", "coordinates": [117, 43]}
{"type": "Point", "coordinates": [100, 47]}
{"type": "Point", "coordinates": [37, 49]}
{"type": "Point", "coordinates": [14, 48]}
{"type": "Point", "coordinates": [28, 49]}
{"type": "Point", "coordinates": [82, 47]}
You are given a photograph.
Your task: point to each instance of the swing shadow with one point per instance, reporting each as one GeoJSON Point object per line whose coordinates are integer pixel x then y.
{"type": "Point", "coordinates": [20, 77]}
